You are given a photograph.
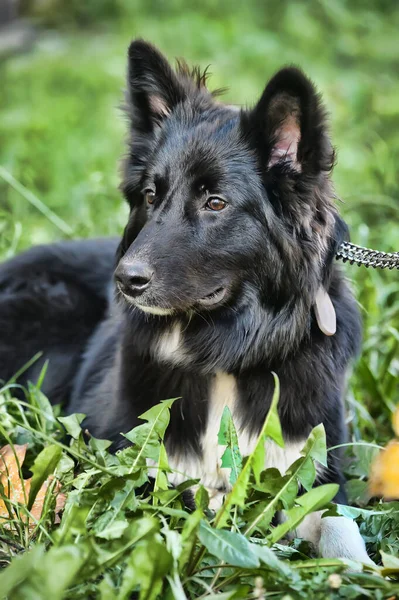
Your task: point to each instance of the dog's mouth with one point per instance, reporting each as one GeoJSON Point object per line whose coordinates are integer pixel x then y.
{"type": "Point", "coordinates": [211, 300]}
{"type": "Point", "coordinates": [214, 297]}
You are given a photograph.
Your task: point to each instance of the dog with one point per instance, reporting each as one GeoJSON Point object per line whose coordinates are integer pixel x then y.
{"type": "Point", "coordinates": [225, 273]}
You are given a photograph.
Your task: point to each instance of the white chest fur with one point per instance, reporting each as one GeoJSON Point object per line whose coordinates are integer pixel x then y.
{"type": "Point", "coordinates": [207, 468]}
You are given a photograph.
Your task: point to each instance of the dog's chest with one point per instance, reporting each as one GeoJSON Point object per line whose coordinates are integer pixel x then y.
{"type": "Point", "coordinates": [222, 391]}
{"type": "Point", "coordinates": [206, 465]}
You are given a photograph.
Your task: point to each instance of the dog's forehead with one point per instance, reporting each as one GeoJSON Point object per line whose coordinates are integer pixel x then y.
{"type": "Point", "coordinates": [200, 146]}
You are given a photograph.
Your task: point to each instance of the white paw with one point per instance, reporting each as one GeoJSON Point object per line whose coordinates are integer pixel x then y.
{"type": "Point", "coordinates": [340, 538]}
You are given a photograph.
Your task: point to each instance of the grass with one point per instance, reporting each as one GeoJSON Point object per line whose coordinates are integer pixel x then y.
{"type": "Point", "coordinates": [61, 138]}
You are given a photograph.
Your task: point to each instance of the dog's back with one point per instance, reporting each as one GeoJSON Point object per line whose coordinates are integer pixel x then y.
{"type": "Point", "coordinates": [51, 299]}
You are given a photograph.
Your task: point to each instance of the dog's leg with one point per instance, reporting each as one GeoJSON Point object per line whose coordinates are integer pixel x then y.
{"type": "Point", "coordinates": [334, 537]}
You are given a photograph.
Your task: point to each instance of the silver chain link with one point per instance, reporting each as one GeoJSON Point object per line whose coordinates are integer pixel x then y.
{"type": "Point", "coordinates": [348, 252]}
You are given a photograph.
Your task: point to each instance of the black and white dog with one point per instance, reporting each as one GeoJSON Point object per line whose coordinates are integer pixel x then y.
{"type": "Point", "coordinates": [224, 274]}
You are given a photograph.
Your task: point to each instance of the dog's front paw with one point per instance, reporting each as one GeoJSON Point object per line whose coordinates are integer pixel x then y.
{"type": "Point", "coordinates": [340, 538]}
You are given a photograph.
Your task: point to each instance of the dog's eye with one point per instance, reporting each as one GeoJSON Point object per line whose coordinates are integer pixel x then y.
{"type": "Point", "coordinates": [215, 204]}
{"type": "Point", "coordinates": [149, 195]}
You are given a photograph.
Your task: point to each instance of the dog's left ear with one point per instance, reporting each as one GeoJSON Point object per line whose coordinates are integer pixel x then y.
{"type": "Point", "coordinates": [289, 125]}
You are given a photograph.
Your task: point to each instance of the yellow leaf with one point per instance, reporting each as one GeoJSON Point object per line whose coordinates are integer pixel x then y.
{"type": "Point", "coordinates": [384, 479]}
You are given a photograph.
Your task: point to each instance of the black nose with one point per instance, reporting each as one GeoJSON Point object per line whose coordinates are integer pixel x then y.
{"type": "Point", "coordinates": [133, 278]}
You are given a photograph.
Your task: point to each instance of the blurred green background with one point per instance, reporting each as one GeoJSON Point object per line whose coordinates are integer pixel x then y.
{"type": "Point", "coordinates": [62, 133]}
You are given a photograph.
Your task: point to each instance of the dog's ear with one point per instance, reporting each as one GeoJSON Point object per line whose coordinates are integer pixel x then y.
{"type": "Point", "coordinates": [289, 125]}
{"type": "Point", "coordinates": [153, 89]}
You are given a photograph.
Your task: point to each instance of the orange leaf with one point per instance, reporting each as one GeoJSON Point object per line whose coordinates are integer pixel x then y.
{"type": "Point", "coordinates": [17, 489]}
{"type": "Point", "coordinates": [384, 479]}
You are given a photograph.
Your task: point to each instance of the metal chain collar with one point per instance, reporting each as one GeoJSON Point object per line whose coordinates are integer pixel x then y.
{"type": "Point", "coordinates": [348, 252]}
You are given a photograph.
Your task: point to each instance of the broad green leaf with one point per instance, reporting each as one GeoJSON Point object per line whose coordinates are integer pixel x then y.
{"type": "Point", "coordinates": [313, 500]}
{"type": "Point", "coordinates": [358, 492]}
{"type": "Point", "coordinates": [227, 436]}
{"type": "Point", "coordinates": [273, 483]}
{"type": "Point", "coordinates": [389, 561]}
{"type": "Point", "coordinates": [316, 445]}
{"type": "Point", "coordinates": [305, 471]}
{"type": "Point", "coordinates": [41, 401]}
{"type": "Point", "coordinates": [107, 589]}
{"type": "Point", "coordinates": [391, 565]}
{"type": "Point", "coordinates": [73, 522]}
{"type": "Point", "coordinates": [147, 567]}
{"type": "Point", "coordinates": [202, 498]}
{"type": "Point", "coordinates": [60, 567]}
{"type": "Point", "coordinates": [99, 447]}
{"type": "Point", "coordinates": [44, 465]}
{"type": "Point", "coordinates": [66, 465]}
{"type": "Point", "coordinates": [113, 531]}
{"type": "Point", "coordinates": [228, 546]}
{"type": "Point", "coordinates": [72, 424]}
{"type": "Point", "coordinates": [147, 437]}
{"type": "Point", "coordinates": [19, 570]}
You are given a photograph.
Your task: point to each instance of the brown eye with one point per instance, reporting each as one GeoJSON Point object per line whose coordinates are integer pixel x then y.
{"type": "Point", "coordinates": [216, 204]}
{"type": "Point", "coordinates": [149, 196]}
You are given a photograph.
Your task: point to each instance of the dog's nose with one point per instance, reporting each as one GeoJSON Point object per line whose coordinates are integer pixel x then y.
{"type": "Point", "coordinates": [134, 278]}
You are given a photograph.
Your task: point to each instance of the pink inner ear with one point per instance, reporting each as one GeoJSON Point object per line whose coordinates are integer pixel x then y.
{"type": "Point", "coordinates": [158, 106]}
{"type": "Point", "coordinates": [285, 148]}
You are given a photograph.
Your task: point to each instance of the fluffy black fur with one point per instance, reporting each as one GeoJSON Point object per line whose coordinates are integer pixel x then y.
{"type": "Point", "coordinates": [270, 248]}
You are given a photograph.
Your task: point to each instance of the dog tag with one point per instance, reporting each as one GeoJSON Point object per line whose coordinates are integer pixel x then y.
{"type": "Point", "coordinates": [325, 312]}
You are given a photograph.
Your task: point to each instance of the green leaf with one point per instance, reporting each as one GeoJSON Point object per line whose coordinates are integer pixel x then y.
{"type": "Point", "coordinates": [271, 429]}
{"type": "Point", "coordinates": [147, 437]}
{"type": "Point", "coordinates": [305, 471]}
{"type": "Point", "coordinates": [147, 567]}
{"type": "Point", "coordinates": [161, 479]}
{"type": "Point", "coordinates": [268, 558]}
{"type": "Point", "coordinates": [316, 445]}
{"type": "Point", "coordinates": [228, 546]}
{"type": "Point", "coordinates": [60, 567]}
{"type": "Point", "coordinates": [189, 536]}
{"type": "Point", "coordinates": [389, 561]}
{"type": "Point", "coordinates": [107, 589]}
{"type": "Point", "coordinates": [19, 570]}
{"type": "Point", "coordinates": [202, 498]}
{"type": "Point", "coordinates": [72, 424]}
{"type": "Point", "coordinates": [99, 447]}
{"type": "Point", "coordinates": [113, 531]}
{"type": "Point", "coordinates": [313, 500]}
{"type": "Point", "coordinates": [227, 436]}
{"type": "Point", "coordinates": [44, 465]}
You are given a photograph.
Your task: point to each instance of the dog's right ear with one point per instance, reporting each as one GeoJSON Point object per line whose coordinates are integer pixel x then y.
{"type": "Point", "coordinates": [153, 89]}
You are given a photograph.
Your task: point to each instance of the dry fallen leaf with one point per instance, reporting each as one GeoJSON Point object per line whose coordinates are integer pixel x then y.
{"type": "Point", "coordinates": [384, 479]}
{"type": "Point", "coordinates": [17, 489]}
